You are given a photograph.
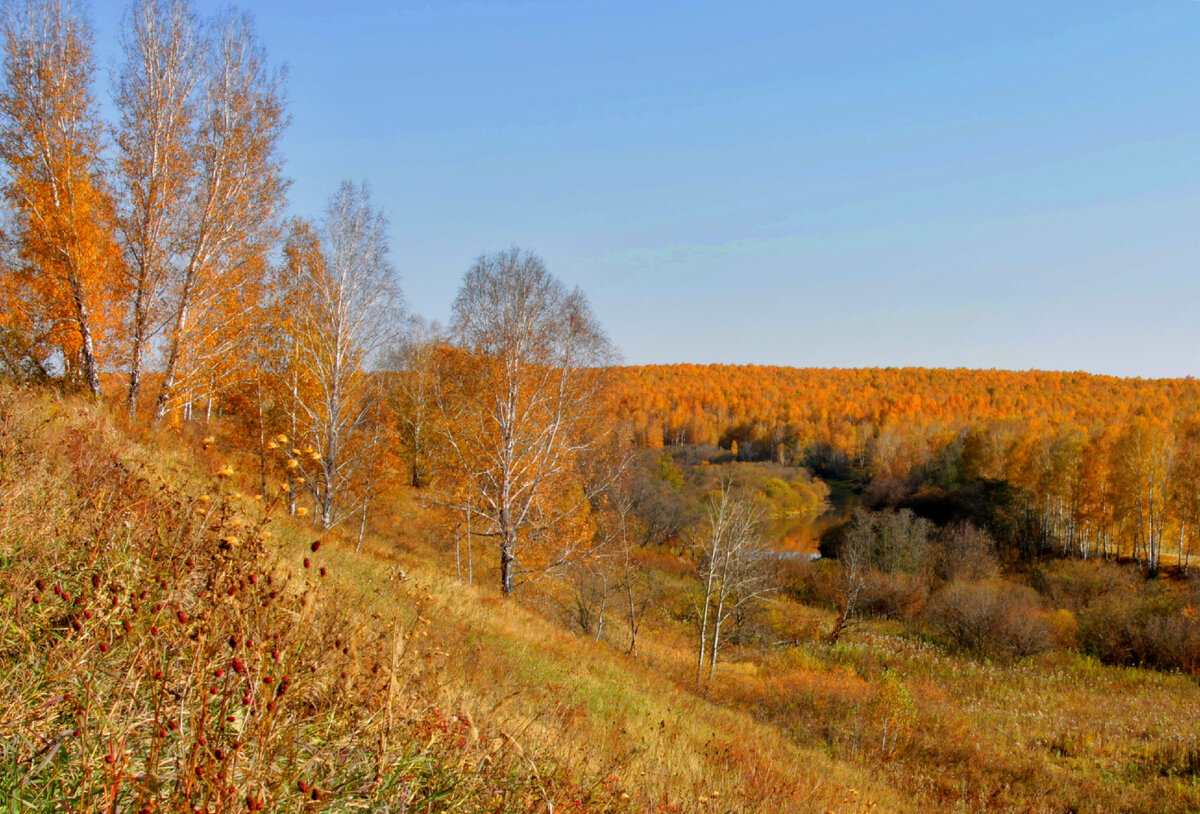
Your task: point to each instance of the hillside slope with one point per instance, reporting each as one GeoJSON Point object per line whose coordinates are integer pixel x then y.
{"type": "Point", "coordinates": [172, 643]}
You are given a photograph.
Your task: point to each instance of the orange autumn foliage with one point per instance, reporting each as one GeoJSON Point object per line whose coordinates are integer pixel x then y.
{"type": "Point", "coordinates": [778, 409]}
{"type": "Point", "coordinates": [61, 296]}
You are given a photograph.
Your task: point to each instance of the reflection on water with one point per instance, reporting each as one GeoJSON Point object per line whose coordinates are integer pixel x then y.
{"type": "Point", "coordinates": [803, 534]}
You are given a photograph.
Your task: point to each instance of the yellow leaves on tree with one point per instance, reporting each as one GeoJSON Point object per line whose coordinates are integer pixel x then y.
{"type": "Point", "coordinates": [62, 294]}
{"type": "Point", "coordinates": [523, 413]}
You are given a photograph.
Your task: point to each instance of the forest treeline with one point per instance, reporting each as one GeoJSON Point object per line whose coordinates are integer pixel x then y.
{"type": "Point", "coordinates": [1091, 465]}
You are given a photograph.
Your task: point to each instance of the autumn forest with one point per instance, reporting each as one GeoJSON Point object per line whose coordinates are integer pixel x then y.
{"type": "Point", "coordinates": [270, 541]}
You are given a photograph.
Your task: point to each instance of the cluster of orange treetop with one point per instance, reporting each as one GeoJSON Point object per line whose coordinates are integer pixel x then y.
{"type": "Point", "coordinates": [716, 404]}
{"type": "Point", "coordinates": [1112, 465]}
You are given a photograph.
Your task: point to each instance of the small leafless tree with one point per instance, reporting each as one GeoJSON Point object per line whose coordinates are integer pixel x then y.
{"type": "Point", "coordinates": [735, 569]}
{"type": "Point", "coordinates": [595, 584]}
{"type": "Point", "coordinates": [411, 390]}
{"type": "Point", "coordinates": [853, 570]}
{"type": "Point", "coordinates": [635, 587]}
{"type": "Point", "coordinates": [611, 578]}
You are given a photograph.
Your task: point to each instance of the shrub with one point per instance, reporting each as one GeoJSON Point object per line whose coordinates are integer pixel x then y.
{"type": "Point", "coordinates": [990, 617]}
{"type": "Point", "coordinates": [1065, 627]}
{"type": "Point", "coordinates": [893, 596]}
{"type": "Point", "coordinates": [810, 582]}
{"type": "Point", "coordinates": [1077, 584]}
{"type": "Point", "coordinates": [1147, 626]}
{"type": "Point", "coordinates": [965, 551]}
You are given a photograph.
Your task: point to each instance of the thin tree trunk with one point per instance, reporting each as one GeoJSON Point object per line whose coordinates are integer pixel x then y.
{"type": "Point", "coordinates": [470, 549]}
{"type": "Point", "coordinates": [458, 556]}
{"type": "Point", "coordinates": [704, 632]}
{"type": "Point", "coordinates": [633, 616]}
{"type": "Point", "coordinates": [506, 566]}
{"type": "Point", "coordinates": [840, 624]}
{"type": "Point", "coordinates": [262, 442]}
{"type": "Point", "coordinates": [90, 368]}
{"type": "Point", "coordinates": [135, 359]}
{"type": "Point", "coordinates": [603, 605]}
{"type": "Point", "coordinates": [362, 525]}
{"type": "Point", "coordinates": [716, 644]}
{"type": "Point", "coordinates": [174, 348]}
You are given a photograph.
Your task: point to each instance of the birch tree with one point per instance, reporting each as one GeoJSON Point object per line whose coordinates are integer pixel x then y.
{"type": "Point", "coordinates": [345, 310]}
{"type": "Point", "coordinates": [619, 529]}
{"type": "Point", "coordinates": [412, 393]}
{"type": "Point", "coordinates": [734, 570]}
{"type": "Point", "coordinates": [61, 292]}
{"type": "Point", "coordinates": [156, 167]}
{"type": "Point", "coordinates": [238, 191]}
{"type": "Point", "coordinates": [522, 403]}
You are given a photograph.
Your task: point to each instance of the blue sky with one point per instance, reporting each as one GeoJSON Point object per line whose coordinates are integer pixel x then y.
{"type": "Point", "coordinates": [982, 184]}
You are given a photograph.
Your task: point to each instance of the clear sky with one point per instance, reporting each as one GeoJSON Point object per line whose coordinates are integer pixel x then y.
{"type": "Point", "coordinates": [980, 184]}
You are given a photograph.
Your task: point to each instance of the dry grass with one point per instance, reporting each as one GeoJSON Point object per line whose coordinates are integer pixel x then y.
{"type": "Point", "coordinates": [884, 721]}
{"type": "Point", "coordinates": [1057, 732]}
{"type": "Point", "coordinates": [597, 715]}
{"type": "Point", "coordinates": [159, 653]}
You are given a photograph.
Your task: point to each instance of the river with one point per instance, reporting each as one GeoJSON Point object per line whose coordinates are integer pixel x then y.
{"type": "Point", "coordinates": [802, 534]}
